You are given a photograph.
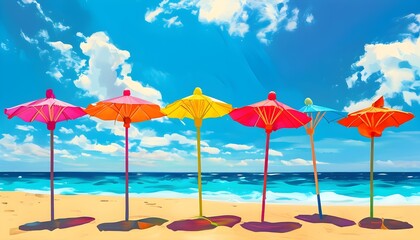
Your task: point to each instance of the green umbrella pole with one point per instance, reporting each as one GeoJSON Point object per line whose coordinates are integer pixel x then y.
{"type": "Point", "coordinates": [371, 176]}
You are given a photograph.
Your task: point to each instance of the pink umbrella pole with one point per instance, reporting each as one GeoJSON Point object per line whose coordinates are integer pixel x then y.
{"type": "Point", "coordinates": [126, 174]}
{"type": "Point", "coordinates": [52, 173]}
{"type": "Point", "coordinates": [267, 147]}
{"type": "Point", "coordinates": [51, 127]}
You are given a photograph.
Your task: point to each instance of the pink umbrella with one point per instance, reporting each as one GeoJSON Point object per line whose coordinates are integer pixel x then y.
{"type": "Point", "coordinates": [270, 115]}
{"type": "Point", "coordinates": [48, 110]}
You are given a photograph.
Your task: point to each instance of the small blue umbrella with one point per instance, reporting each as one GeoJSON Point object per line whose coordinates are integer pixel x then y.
{"type": "Point", "coordinates": [317, 113]}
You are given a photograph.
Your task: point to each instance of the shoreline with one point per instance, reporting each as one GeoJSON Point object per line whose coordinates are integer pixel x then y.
{"type": "Point", "coordinates": [18, 208]}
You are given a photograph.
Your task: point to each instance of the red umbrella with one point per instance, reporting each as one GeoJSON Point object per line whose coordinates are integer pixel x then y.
{"type": "Point", "coordinates": [48, 110]}
{"type": "Point", "coordinates": [270, 115]}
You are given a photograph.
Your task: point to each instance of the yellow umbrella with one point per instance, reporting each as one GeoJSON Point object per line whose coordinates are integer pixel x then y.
{"type": "Point", "coordinates": [197, 107]}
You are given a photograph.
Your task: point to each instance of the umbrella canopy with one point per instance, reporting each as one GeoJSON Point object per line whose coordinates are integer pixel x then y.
{"type": "Point", "coordinates": [271, 115]}
{"type": "Point", "coordinates": [47, 110]}
{"type": "Point", "coordinates": [371, 122]}
{"type": "Point", "coordinates": [320, 113]}
{"type": "Point", "coordinates": [197, 107]}
{"type": "Point", "coordinates": [126, 109]}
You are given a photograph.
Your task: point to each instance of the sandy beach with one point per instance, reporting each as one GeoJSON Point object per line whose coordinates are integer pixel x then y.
{"type": "Point", "coordinates": [18, 208]}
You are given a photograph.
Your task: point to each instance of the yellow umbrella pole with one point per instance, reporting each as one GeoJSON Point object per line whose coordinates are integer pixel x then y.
{"type": "Point", "coordinates": [371, 176]}
{"type": "Point", "coordinates": [197, 123]}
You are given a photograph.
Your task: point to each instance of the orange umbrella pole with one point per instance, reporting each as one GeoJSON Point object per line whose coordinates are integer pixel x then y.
{"type": "Point", "coordinates": [200, 198]}
{"type": "Point", "coordinates": [371, 176]}
{"type": "Point", "coordinates": [126, 175]}
{"type": "Point", "coordinates": [267, 147]}
{"type": "Point", "coordinates": [52, 172]}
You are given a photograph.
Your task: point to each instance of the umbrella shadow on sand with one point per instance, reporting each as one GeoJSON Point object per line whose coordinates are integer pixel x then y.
{"type": "Point", "coordinates": [384, 223]}
{"type": "Point", "coordinates": [57, 223]}
{"type": "Point", "coordinates": [337, 221]}
{"type": "Point", "coordinates": [128, 225]}
{"type": "Point", "coordinates": [204, 223]}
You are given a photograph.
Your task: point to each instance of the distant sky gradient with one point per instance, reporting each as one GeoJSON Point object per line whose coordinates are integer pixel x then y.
{"type": "Point", "coordinates": [342, 54]}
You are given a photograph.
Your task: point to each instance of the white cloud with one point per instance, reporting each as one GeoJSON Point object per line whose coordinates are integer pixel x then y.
{"type": "Point", "coordinates": [398, 164]}
{"type": "Point", "coordinates": [395, 66]}
{"type": "Point", "coordinates": [273, 152]}
{"type": "Point", "coordinates": [238, 146]}
{"type": "Point", "coordinates": [59, 45]}
{"type": "Point", "coordinates": [414, 27]}
{"type": "Point", "coordinates": [66, 130]}
{"type": "Point", "coordinates": [55, 73]}
{"type": "Point", "coordinates": [4, 46]}
{"type": "Point", "coordinates": [385, 163]}
{"type": "Point", "coordinates": [28, 138]}
{"type": "Point", "coordinates": [211, 150]}
{"type": "Point", "coordinates": [309, 18]}
{"type": "Point", "coordinates": [83, 128]}
{"type": "Point", "coordinates": [299, 162]}
{"type": "Point", "coordinates": [102, 78]}
{"type": "Point", "coordinates": [292, 22]}
{"type": "Point", "coordinates": [86, 144]}
{"type": "Point", "coordinates": [26, 128]}
{"type": "Point", "coordinates": [142, 155]}
{"type": "Point", "coordinates": [151, 15]}
{"type": "Point", "coordinates": [154, 141]}
{"type": "Point", "coordinates": [56, 25]}
{"type": "Point", "coordinates": [173, 21]}
{"type": "Point", "coordinates": [86, 155]}
{"type": "Point", "coordinates": [25, 149]}
{"type": "Point", "coordinates": [28, 39]}
{"type": "Point", "coordinates": [233, 15]}
{"type": "Point", "coordinates": [216, 159]}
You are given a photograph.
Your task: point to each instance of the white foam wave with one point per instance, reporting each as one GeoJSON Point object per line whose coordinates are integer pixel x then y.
{"type": "Point", "coordinates": [295, 198]}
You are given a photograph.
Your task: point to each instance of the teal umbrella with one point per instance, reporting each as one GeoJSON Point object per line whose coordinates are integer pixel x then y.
{"type": "Point", "coordinates": [317, 113]}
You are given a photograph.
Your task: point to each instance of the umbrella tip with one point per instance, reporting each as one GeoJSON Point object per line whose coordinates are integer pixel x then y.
{"type": "Point", "coordinates": [49, 93]}
{"type": "Point", "coordinates": [197, 91]}
{"type": "Point", "coordinates": [308, 101]}
{"type": "Point", "coordinates": [126, 92]}
{"type": "Point", "coordinates": [272, 95]}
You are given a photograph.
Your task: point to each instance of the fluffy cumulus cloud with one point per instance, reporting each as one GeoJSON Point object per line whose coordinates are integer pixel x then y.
{"type": "Point", "coordinates": [25, 128]}
{"type": "Point", "coordinates": [56, 25]}
{"type": "Point", "coordinates": [166, 139]}
{"type": "Point", "coordinates": [233, 15]}
{"type": "Point", "coordinates": [83, 142]}
{"type": "Point", "coordinates": [22, 150]}
{"type": "Point", "coordinates": [394, 66]}
{"type": "Point", "coordinates": [237, 146]}
{"type": "Point", "coordinates": [66, 130]}
{"type": "Point", "coordinates": [108, 72]}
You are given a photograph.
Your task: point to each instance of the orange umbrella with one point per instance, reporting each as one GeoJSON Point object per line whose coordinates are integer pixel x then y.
{"type": "Point", "coordinates": [125, 109]}
{"type": "Point", "coordinates": [371, 122]}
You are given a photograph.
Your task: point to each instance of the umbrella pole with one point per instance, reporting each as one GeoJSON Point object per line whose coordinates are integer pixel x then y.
{"type": "Point", "coordinates": [52, 173]}
{"type": "Point", "coordinates": [371, 176]}
{"type": "Point", "coordinates": [126, 175]}
{"type": "Point", "coordinates": [200, 200]}
{"type": "Point", "coordinates": [318, 196]}
{"type": "Point", "coordinates": [267, 147]}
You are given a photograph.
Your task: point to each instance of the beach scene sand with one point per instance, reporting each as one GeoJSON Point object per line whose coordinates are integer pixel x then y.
{"type": "Point", "coordinates": [209, 119]}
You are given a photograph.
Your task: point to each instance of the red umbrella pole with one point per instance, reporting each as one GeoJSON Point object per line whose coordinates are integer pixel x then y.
{"type": "Point", "coordinates": [267, 147]}
{"type": "Point", "coordinates": [126, 174]}
{"type": "Point", "coordinates": [52, 172]}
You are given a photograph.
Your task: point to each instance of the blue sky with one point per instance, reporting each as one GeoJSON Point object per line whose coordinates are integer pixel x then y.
{"type": "Point", "coordinates": [342, 54]}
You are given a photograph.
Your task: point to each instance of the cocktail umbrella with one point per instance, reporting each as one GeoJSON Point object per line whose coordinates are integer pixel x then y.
{"type": "Point", "coordinates": [271, 115]}
{"type": "Point", "coordinates": [317, 113]}
{"type": "Point", "coordinates": [47, 110]}
{"type": "Point", "coordinates": [371, 122]}
{"type": "Point", "coordinates": [197, 107]}
{"type": "Point", "coordinates": [126, 109]}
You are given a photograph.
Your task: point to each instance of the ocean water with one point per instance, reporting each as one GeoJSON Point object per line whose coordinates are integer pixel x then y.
{"type": "Point", "coordinates": [286, 188]}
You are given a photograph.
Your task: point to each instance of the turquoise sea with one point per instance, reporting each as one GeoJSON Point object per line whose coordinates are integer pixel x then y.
{"type": "Point", "coordinates": [347, 188]}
